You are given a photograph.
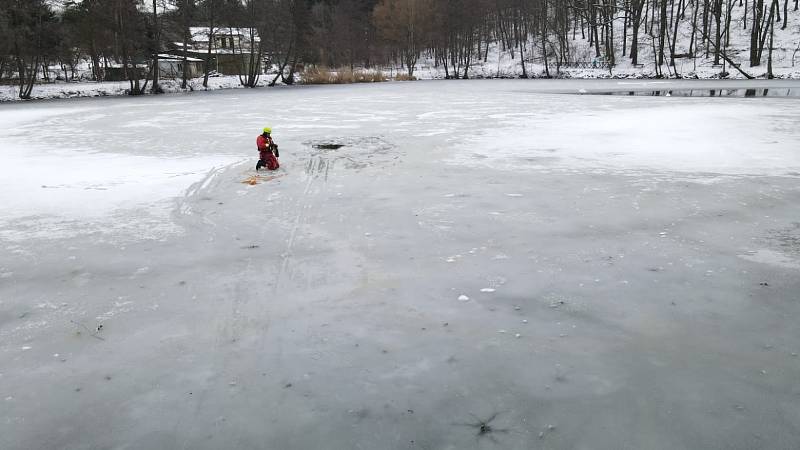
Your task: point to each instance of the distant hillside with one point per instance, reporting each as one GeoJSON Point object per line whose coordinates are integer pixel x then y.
{"type": "Point", "coordinates": [695, 56]}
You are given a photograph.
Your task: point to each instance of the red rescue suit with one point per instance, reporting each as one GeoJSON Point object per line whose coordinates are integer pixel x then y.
{"type": "Point", "coordinates": [265, 153]}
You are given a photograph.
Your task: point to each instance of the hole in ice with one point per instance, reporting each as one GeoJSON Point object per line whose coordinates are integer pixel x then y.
{"type": "Point", "coordinates": [328, 146]}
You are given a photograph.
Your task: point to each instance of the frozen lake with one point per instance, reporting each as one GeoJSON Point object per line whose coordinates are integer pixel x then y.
{"type": "Point", "coordinates": [482, 264]}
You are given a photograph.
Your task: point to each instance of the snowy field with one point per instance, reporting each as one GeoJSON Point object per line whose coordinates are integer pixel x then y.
{"type": "Point", "coordinates": [482, 264]}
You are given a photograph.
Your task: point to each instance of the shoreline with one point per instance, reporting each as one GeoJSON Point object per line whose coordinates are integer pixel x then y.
{"type": "Point", "coordinates": [91, 89]}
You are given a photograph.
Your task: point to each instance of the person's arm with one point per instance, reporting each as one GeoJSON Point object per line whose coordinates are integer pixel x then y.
{"type": "Point", "coordinates": [274, 147]}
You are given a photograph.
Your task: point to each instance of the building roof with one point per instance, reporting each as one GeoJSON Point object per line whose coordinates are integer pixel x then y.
{"type": "Point", "coordinates": [200, 34]}
{"type": "Point", "coordinates": [166, 57]}
{"type": "Point", "coordinates": [214, 51]}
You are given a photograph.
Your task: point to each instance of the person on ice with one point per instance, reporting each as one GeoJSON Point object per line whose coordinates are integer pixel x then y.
{"type": "Point", "coordinates": [267, 151]}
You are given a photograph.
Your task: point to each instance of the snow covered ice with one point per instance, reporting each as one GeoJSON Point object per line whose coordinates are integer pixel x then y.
{"type": "Point", "coordinates": [641, 256]}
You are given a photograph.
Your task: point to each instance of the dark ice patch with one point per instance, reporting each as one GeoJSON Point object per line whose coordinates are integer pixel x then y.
{"type": "Point", "coordinates": [328, 146]}
{"type": "Point", "coordinates": [786, 239]}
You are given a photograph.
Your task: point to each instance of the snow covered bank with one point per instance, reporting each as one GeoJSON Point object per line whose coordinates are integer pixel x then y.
{"type": "Point", "coordinates": [507, 69]}
{"type": "Point", "coordinates": [501, 65]}
{"type": "Point", "coordinates": [82, 89]}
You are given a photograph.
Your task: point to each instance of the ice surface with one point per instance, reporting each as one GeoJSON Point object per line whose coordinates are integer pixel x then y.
{"type": "Point", "coordinates": [56, 171]}
{"type": "Point", "coordinates": [666, 135]}
{"type": "Point", "coordinates": [630, 264]}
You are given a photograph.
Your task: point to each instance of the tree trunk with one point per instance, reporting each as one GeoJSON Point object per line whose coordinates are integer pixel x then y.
{"type": "Point", "coordinates": [207, 64]}
{"type": "Point", "coordinates": [773, 6]}
{"type": "Point", "coordinates": [662, 31]}
{"type": "Point", "coordinates": [636, 19]}
{"type": "Point", "coordinates": [770, 75]}
{"type": "Point", "coordinates": [705, 27]}
{"type": "Point", "coordinates": [694, 30]}
{"type": "Point", "coordinates": [155, 89]}
{"type": "Point", "coordinates": [185, 30]}
{"type": "Point", "coordinates": [785, 14]}
{"type": "Point", "coordinates": [718, 35]}
{"type": "Point", "coordinates": [675, 20]}
{"type": "Point", "coordinates": [758, 11]}
{"type": "Point", "coordinates": [625, 29]}
{"type": "Point", "coordinates": [543, 20]}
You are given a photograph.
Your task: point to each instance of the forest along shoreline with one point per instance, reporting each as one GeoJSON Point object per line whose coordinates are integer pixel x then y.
{"type": "Point", "coordinates": [52, 49]}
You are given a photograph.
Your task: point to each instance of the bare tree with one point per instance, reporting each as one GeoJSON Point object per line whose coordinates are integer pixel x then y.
{"type": "Point", "coordinates": [248, 43]}
{"type": "Point", "coordinates": [210, 11]}
{"type": "Point", "coordinates": [5, 37]}
{"type": "Point", "coordinates": [156, 87]}
{"type": "Point", "coordinates": [186, 8]}
{"type": "Point", "coordinates": [405, 25]}
{"type": "Point", "coordinates": [31, 24]}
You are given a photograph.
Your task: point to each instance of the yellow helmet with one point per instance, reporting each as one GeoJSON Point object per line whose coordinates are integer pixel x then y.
{"type": "Point", "coordinates": [268, 130]}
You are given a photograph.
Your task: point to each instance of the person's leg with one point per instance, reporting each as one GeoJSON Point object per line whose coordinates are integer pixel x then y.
{"type": "Point", "coordinates": [259, 164]}
{"type": "Point", "coordinates": [263, 156]}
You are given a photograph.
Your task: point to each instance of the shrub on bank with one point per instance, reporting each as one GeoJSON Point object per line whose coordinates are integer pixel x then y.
{"type": "Point", "coordinates": [322, 75]}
